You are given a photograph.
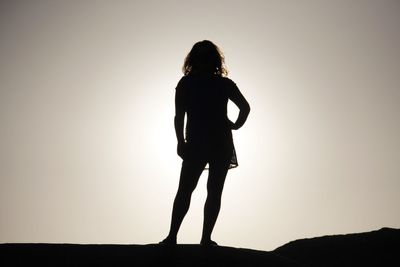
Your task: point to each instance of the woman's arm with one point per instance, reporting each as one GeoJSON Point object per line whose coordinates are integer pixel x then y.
{"type": "Point", "coordinates": [179, 120]}
{"type": "Point", "coordinates": [244, 107]}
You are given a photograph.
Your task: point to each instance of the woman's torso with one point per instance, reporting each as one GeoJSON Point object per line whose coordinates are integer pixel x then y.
{"type": "Point", "coordinates": [206, 99]}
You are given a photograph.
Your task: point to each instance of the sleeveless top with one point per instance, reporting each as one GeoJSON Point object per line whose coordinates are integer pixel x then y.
{"type": "Point", "coordinates": [208, 134]}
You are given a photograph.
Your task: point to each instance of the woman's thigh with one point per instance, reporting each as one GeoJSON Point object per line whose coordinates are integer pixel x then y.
{"type": "Point", "coordinates": [190, 173]}
{"type": "Point", "coordinates": [218, 169]}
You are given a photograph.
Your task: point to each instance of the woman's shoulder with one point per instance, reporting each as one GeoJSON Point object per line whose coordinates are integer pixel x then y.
{"type": "Point", "coordinates": [190, 79]}
{"type": "Point", "coordinates": [228, 82]}
{"type": "Point", "coordinates": [227, 79]}
{"type": "Point", "coordinates": [182, 81]}
{"type": "Point", "coordinates": [187, 79]}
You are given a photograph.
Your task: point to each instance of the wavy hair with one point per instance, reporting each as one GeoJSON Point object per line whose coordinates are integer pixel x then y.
{"type": "Point", "coordinates": [205, 57]}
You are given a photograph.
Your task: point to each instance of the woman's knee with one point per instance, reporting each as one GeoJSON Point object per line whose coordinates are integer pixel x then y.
{"type": "Point", "coordinates": [214, 191]}
{"type": "Point", "coordinates": [186, 191]}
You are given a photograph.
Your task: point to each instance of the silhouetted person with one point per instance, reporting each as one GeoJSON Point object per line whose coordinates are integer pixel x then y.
{"type": "Point", "coordinates": [203, 93]}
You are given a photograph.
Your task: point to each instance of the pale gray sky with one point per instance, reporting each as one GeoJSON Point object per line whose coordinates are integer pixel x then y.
{"type": "Point", "coordinates": [87, 144]}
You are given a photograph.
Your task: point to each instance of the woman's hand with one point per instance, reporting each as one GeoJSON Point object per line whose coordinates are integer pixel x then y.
{"type": "Point", "coordinates": [181, 149]}
{"type": "Point", "coordinates": [232, 125]}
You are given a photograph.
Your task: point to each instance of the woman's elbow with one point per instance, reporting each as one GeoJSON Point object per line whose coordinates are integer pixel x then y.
{"type": "Point", "coordinates": [247, 108]}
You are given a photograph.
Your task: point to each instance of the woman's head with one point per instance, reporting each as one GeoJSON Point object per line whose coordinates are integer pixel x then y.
{"type": "Point", "coordinates": [205, 57]}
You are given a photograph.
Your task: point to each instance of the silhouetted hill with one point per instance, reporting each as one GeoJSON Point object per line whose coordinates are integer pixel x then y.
{"type": "Point", "coordinates": [376, 248]}
{"type": "Point", "coordinates": [135, 255]}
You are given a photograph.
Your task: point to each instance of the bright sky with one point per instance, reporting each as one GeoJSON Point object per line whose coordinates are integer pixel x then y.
{"type": "Point", "coordinates": [87, 144]}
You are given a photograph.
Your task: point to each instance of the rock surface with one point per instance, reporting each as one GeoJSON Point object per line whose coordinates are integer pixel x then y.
{"type": "Point", "coordinates": [376, 248]}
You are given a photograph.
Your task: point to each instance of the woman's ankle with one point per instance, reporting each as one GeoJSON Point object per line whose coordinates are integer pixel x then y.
{"type": "Point", "coordinates": [208, 242]}
{"type": "Point", "coordinates": [169, 240]}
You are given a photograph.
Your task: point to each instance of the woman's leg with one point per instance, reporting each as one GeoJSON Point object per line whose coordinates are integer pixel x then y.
{"type": "Point", "coordinates": [216, 179]}
{"type": "Point", "coordinates": [190, 174]}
